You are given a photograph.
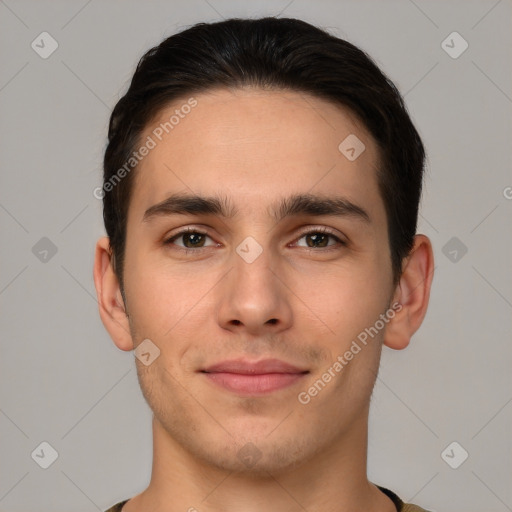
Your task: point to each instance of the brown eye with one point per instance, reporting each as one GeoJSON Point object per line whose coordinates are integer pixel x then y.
{"type": "Point", "coordinates": [190, 239]}
{"type": "Point", "coordinates": [319, 238]}
{"type": "Point", "coordinates": [194, 239]}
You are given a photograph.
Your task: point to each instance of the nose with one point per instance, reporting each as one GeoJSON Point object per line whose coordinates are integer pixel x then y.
{"type": "Point", "coordinates": [253, 297]}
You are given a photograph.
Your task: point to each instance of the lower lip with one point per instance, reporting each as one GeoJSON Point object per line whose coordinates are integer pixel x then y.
{"type": "Point", "coordinates": [254, 384]}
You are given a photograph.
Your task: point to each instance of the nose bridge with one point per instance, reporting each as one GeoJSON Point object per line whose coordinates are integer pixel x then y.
{"type": "Point", "coordinates": [252, 275]}
{"type": "Point", "coordinates": [252, 295]}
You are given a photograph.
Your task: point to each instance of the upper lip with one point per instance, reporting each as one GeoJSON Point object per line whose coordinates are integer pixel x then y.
{"type": "Point", "coordinates": [244, 367]}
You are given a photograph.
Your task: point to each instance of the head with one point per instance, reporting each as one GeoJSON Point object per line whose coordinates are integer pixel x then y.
{"type": "Point", "coordinates": [258, 129]}
{"type": "Point", "coordinates": [271, 54]}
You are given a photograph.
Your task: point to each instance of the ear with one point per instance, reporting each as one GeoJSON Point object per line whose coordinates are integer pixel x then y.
{"type": "Point", "coordinates": [110, 301]}
{"type": "Point", "coordinates": [412, 292]}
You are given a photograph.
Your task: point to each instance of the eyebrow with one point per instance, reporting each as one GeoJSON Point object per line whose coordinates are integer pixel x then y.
{"type": "Point", "coordinates": [295, 205]}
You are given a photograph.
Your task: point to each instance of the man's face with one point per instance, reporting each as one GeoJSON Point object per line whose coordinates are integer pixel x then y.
{"type": "Point", "coordinates": [253, 286]}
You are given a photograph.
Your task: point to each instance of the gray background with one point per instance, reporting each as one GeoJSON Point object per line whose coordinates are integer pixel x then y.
{"type": "Point", "coordinates": [62, 379]}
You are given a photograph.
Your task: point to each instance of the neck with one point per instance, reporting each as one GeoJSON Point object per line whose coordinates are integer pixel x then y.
{"type": "Point", "coordinates": [332, 480]}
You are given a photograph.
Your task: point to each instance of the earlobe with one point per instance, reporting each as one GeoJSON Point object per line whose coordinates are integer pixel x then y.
{"type": "Point", "coordinates": [110, 301]}
{"type": "Point", "coordinates": [412, 292]}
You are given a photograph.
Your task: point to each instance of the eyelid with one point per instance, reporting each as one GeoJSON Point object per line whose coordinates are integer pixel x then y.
{"type": "Point", "coordinates": [305, 231]}
{"type": "Point", "coordinates": [326, 231]}
{"type": "Point", "coordinates": [188, 229]}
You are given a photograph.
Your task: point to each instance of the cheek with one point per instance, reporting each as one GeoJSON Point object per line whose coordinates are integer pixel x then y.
{"type": "Point", "coordinates": [150, 298]}
{"type": "Point", "coordinates": [346, 298]}
{"type": "Point", "coordinates": [168, 305]}
{"type": "Point", "coordinates": [158, 295]}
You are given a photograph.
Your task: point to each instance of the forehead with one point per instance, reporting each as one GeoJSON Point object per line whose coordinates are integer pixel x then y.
{"type": "Point", "coordinates": [256, 144]}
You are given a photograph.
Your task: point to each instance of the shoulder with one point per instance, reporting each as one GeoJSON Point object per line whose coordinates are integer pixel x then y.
{"type": "Point", "coordinates": [400, 505]}
{"type": "Point", "coordinates": [117, 507]}
{"type": "Point", "coordinates": [409, 507]}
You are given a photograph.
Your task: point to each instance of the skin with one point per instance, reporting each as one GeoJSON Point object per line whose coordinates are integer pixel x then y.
{"type": "Point", "coordinates": [294, 304]}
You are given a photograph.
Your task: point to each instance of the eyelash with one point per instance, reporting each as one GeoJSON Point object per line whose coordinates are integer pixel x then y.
{"type": "Point", "coordinates": [322, 230]}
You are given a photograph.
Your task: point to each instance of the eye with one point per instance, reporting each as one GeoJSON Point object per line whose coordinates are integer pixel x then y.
{"type": "Point", "coordinates": [318, 238]}
{"type": "Point", "coordinates": [191, 238]}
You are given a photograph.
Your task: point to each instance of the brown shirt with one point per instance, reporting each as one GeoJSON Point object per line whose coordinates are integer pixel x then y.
{"type": "Point", "coordinates": [399, 504]}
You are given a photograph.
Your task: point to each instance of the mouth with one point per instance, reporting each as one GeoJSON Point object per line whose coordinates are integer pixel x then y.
{"type": "Point", "coordinates": [254, 378]}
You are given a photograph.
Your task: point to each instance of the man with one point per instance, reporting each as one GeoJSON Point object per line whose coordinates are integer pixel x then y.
{"type": "Point", "coordinates": [261, 191]}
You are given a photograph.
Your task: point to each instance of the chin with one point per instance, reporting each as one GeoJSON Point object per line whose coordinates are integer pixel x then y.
{"type": "Point", "coordinates": [259, 458]}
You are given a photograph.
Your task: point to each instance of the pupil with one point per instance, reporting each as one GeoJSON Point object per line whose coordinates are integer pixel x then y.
{"type": "Point", "coordinates": [195, 238]}
{"type": "Point", "coordinates": [316, 237]}
{"type": "Point", "coordinates": [190, 238]}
